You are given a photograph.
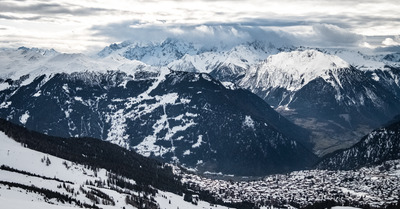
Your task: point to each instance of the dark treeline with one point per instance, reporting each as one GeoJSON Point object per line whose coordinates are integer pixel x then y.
{"type": "Point", "coordinates": [49, 194]}
{"type": "Point", "coordinates": [7, 168]}
{"type": "Point", "coordinates": [99, 154]}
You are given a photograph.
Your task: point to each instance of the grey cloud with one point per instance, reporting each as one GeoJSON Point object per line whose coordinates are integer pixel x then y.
{"type": "Point", "coordinates": [266, 22]}
{"type": "Point", "coordinates": [48, 8]}
{"type": "Point", "coordinates": [395, 49]}
{"type": "Point", "coordinates": [333, 35]}
{"type": "Point", "coordinates": [8, 17]}
{"type": "Point", "coordinates": [324, 35]}
{"type": "Point", "coordinates": [370, 21]}
{"type": "Point", "coordinates": [206, 34]}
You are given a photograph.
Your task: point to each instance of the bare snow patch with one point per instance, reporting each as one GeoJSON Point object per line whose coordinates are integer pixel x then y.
{"type": "Point", "coordinates": [37, 94]}
{"type": "Point", "coordinates": [229, 85]}
{"type": "Point", "coordinates": [4, 86]}
{"type": "Point", "coordinates": [188, 114]}
{"type": "Point", "coordinates": [117, 133]}
{"type": "Point", "coordinates": [148, 146]}
{"type": "Point", "coordinates": [185, 101]}
{"type": "Point", "coordinates": [199, 141]}
{"type": "Point", "coordinates": [24, 118]}
{"type": "Point", "coordinates": [66, 88]}
{"type": "Point", "coordinates": [79, 99]}
{"type": "Point", "coordinates": [248, 122]}
{"type": "Point", "coordinates": [206, 77]}
{"type": "Point", "coordinates": [375, 77]}
{"type": "Point", "coordinates": [5, 105]}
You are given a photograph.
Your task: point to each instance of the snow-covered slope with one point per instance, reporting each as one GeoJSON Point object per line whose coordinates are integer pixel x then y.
{"type": "Point", "coordinates": [157, 54]}
{"type": "Point", "coordinates": [223, 63]}
{"type": "Point", "coordinates": [24, 65]}
{"type": "Point", "coordinates": [366, 62]}
{"type": "Point", "coordinates": [292, 70]}
{"type": "Point", "coordinates": [32, 179]}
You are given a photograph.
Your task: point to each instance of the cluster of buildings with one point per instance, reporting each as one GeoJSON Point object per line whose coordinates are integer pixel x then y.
{"type": "Point", "coordinates": [376, 187]}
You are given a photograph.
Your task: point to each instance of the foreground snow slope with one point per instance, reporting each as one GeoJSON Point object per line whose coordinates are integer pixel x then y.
{"type": "Point", "coordinates": [58, 172]}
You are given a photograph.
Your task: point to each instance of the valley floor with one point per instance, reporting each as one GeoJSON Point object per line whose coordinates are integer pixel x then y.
{"type": "Point", "coordinates": [377, 186]}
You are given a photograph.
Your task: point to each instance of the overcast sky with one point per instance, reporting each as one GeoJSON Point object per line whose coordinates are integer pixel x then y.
{"type": "Point", "coordinates": [89, 25]}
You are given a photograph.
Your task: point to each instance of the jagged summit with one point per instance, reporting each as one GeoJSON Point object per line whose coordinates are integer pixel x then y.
{"type": "Point", "coordinates": [292, 70]}
{"type": "Point", "coordinates": [159, 54]}
{"type": "Point", "coordinates": [182, 55]}
{"type": "Point", "coordinates": [27, 64]}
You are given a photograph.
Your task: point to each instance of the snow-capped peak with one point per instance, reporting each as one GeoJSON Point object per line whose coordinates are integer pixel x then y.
{"type": "Point", "coordinates": [292, 70]}
{"type": "Point", "coordinates": [305, 62]}
{"type": "Point", "coordinates": [156, 54]}
{"type": "Point", "coordinates": [237, 59]}
{"type": "Point", "coordinates": [31, 63]}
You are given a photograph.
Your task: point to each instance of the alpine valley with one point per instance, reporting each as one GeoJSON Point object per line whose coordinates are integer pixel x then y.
{"type": "Point", "coordinates": [178, 124]}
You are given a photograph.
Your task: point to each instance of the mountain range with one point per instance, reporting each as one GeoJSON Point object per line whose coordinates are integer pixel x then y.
{"type": "Point", "coordinates": [210, 109]}
{"type": "Point", "coordinates": [142, 125]}
{"type": "Point", "coordinates": [339, 95]}
{"type": "Point", "coordinates": [181, 117]}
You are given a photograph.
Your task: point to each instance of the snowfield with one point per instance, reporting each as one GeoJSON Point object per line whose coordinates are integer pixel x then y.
{"type": "Point", "coordinates": [73, 175]}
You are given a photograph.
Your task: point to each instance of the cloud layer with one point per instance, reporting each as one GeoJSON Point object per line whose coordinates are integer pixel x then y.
{"type": "Point", "coordinates": [83, 25]}
{"type": "Point", "coordinates": [207, 35]}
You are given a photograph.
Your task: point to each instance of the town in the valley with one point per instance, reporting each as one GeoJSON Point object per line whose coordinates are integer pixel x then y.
{"type": "Point", "coordinates": [376, 187]}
